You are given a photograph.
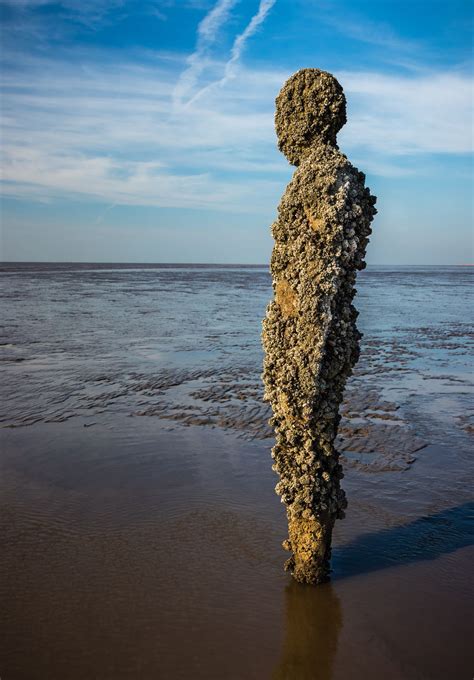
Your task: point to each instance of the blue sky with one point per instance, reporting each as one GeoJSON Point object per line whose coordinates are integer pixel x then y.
{"type": "Point", "coordinates": [142, 130]}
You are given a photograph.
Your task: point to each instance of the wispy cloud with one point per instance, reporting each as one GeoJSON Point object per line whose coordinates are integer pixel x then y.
{"type": "Point", "coordinates": [206, 35]}
{"type": "Point", "coordinates": [103, 131]}
{"type": "Point", "coordinates": [90, 10]}
{"type": "Point", "coordinates": [239, 43]}
{"type": "Point", "coordinates": [27, 25]}
{"type": "Point", "coordinates": [208, 31]}
{"type": "Point", "coordinates": [397, 116]}
{"type": "Point", "coordinates": [371, 32]}
{"type": "Point", "coordinates": [238, 47]}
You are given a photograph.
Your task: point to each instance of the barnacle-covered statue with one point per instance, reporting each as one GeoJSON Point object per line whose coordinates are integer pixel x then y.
{"type": "Point", "coordinates": [310, 337]}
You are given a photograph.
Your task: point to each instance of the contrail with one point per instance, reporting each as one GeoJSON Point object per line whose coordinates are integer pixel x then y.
{"type": "Point", "coordinates": [239, 43]}
{"type": "Point", "coordinates": [237, 48]}
{"type": "Point", "coordinates": [207, 33]}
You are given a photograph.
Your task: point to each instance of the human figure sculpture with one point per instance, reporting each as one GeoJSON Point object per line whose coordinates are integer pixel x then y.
{"type": "Point", "coordinates": [310, 337]}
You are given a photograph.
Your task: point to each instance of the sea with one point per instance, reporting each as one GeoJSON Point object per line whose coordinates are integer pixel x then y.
{"type": "Point", "coordinates": [140, 531]}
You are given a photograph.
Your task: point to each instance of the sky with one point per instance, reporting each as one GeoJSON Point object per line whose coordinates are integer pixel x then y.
{"type": "Point", "coordinates": [142, 130]}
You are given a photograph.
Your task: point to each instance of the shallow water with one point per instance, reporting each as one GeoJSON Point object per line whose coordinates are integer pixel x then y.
{"type": "Point", "coordinates": [140, 530]}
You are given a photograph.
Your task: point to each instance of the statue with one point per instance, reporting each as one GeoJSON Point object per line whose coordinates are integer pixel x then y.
{"type": "Point", "coordinates": [310, 337]}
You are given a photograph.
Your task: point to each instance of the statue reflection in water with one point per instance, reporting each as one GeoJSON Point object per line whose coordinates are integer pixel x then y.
{"type": "Point", "coordinates": [313, 624]}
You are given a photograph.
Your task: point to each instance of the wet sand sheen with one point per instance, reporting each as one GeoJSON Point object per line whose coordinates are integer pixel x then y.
{"type": "Point", "coordinates": [139, 527]}
{"type": "Point", "coordinates": [130, 553]}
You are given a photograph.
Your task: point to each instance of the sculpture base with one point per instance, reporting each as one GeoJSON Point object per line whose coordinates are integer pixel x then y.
{"type": "Point", "coordinates": [310, 542]}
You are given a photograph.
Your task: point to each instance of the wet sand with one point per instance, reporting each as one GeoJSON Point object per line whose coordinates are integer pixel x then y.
{"type": "Point", "coordinates": [119, 563]}
{"type": "Point", "coordinates": [140, 532]}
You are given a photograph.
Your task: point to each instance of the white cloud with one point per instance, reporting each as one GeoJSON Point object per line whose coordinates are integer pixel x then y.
{"type": "Point", "coordinates": [131, 183]}
{"type": "Point", "coordinates": [397, 116]}
{"type": "Point", "coordinates": [108, 132]}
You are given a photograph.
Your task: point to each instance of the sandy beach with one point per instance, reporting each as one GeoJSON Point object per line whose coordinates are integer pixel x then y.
{"type": "Point", "coordinates": [140, 529]}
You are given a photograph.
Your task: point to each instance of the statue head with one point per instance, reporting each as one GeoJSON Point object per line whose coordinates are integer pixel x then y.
{"type": "Point", "coordinates": [311, 107]}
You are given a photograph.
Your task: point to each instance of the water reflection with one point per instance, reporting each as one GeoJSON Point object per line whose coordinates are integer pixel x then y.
{"type": "Point", "coordinates": [313, 624]}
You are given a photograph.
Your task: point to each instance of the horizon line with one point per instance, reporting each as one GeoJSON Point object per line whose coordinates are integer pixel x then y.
{"type": "Point", "coordinates": [214, 264]}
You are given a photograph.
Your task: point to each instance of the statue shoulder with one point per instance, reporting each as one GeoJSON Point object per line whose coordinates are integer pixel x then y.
{"type": "Point", "coordinates": [325, 189]}
{"type": "Point", "coordinates": [320, 170]}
